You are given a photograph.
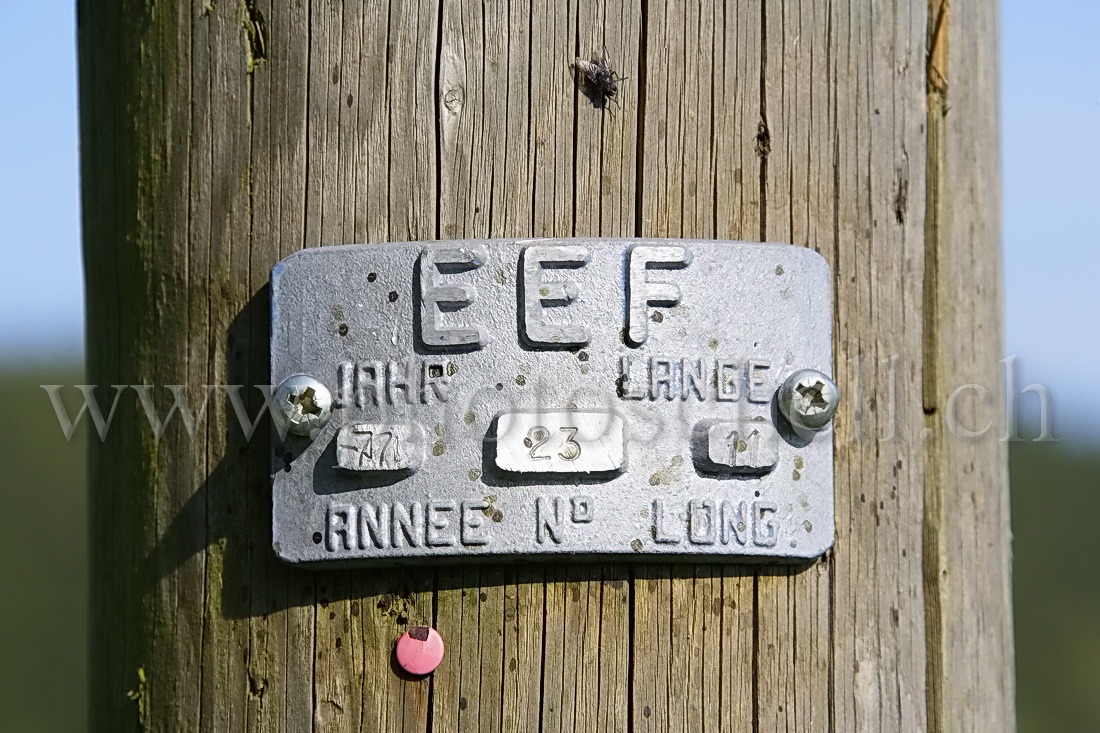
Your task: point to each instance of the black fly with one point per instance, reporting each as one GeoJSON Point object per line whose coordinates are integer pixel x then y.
{"type": "Point", "coordinates": [601, 81]}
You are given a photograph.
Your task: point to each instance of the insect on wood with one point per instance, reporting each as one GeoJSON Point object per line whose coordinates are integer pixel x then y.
{"type": "Point", "coordinates": [600, 81]}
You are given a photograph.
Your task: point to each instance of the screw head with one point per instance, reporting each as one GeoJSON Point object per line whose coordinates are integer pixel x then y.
{"type": "Point", "coordinates": [808, 399]}
{"type": "Point", "coordinates": [302, 405]}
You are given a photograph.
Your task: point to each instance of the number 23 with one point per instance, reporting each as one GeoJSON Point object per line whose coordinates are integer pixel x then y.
{"type": "Point", "coordinates": [538, 435]}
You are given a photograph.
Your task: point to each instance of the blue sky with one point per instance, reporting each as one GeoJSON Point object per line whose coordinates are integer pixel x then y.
{"type": "Point", "coordinates": [1050, 120]}
{"type": "Point", "coordinates": [41, 291]}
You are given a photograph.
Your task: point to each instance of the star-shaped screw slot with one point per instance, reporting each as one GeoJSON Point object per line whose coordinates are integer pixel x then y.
{"type": "Point", "coordinates": [813, 396]}
{"type": "Point", "coordinates": [304, 403]}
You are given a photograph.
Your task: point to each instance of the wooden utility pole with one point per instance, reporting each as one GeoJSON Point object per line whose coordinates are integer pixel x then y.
{"type": "Point", "coordinates": [219, 137]}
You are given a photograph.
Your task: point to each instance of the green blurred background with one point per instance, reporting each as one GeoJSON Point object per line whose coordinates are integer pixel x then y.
{"type": "Point", "coordinates": [1051, 154]}
{"type": "Point", "coordinates": [43, 546]}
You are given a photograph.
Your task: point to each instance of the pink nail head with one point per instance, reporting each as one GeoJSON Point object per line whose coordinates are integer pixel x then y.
{"type": "Point", "coordinates": [420, 650]}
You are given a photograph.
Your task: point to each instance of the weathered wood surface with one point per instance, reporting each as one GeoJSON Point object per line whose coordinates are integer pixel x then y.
{"type": "Point", "coordinates": [219, 137]}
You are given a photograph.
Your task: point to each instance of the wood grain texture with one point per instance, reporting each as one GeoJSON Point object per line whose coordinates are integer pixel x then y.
{"type": "Point", "coordinates": [219, 137]}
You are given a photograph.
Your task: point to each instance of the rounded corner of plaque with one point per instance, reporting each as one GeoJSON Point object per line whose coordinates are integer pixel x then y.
{"type": "Point", "coordinates": [817, 261]}
{"type": "Point", "coordinates": [819, 551]}
{"type": "Point", "coordinates": [284, 554]}
{"type": "Point", "coordinates": [291, 259]}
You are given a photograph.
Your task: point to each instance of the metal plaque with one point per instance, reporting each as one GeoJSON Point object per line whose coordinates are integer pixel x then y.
{"type": "Point", "coordinates": [580, 398]}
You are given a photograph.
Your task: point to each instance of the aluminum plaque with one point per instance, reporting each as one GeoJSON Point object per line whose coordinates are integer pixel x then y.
{"type": "Point", "coordinates": [583, 398]}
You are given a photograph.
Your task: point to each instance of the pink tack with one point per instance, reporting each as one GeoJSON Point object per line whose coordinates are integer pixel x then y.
{"type": "Point", "coordinates": [420, 650]}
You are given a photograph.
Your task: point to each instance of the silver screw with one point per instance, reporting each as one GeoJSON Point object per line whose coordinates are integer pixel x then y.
{"type": "Point", "coordinates": [302, 404]}
{"type": "Point", "coordinates": [808, 399]}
